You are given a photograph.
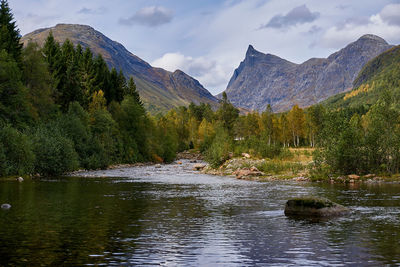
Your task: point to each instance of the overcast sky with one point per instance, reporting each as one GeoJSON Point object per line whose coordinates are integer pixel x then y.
{"type": "Point", "coordinates": [208, 38]}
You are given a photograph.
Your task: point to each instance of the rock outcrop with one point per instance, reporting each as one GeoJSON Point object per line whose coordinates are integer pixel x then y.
{"type": "Point", "coordinates": [263, 79]}
{"type": "Point", "coordinates": [313, 207]}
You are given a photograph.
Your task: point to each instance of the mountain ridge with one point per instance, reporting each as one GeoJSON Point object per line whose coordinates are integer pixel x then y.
{"type": "Point", "coordinates": [159, 89]}
{"type": "Point", "coordinates": [263, 79]}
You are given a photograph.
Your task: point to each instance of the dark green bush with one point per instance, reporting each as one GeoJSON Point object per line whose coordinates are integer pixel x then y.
{"type": "Point", "coordinates": [16, 156]}
{"type": "Point", "coordinates": [54, 152]}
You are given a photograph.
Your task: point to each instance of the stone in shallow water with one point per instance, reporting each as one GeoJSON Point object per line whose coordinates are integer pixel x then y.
{"type": "Point", "coordinates": [5, 206]}
{"type": "Point", "coordinates": [313, 207]}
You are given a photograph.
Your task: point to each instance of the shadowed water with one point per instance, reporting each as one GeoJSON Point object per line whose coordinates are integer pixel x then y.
{"type": "Point", "coordinates": [174, 216]}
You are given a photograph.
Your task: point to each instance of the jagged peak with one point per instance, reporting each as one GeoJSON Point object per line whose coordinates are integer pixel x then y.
{"type": "Point", "coordinates": [372, 37]}
{"type": "Point", "coordinates": [252, 52]}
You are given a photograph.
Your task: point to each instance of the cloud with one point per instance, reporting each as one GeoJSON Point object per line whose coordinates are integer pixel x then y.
{"type": "Point", "coordinates": [298, 15]}
{"type": "Point", "coordinates": [90, 11]}
{"type": "Point", "coordinates": [314, 30]}
{"type": "Point", "coordinates": [385, 24]}
{"type": "Point", "coordinates": [391, 14]}
{"type": "Point", "coordinates": [354, 21]}
{"type": "Point", "coordinates": [149, 16]}
{"type": "Point", "coordinates": [35, 19]}
{"type": "Point", "coordinates": [207, 71]}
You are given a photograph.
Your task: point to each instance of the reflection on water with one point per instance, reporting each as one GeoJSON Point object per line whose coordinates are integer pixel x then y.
{"type": "Point", "coordinates": [172, 216]}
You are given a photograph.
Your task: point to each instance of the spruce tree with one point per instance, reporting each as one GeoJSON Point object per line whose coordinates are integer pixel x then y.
{"type": "Point", "coordinates": [51, 50]}
{"type": "Point", "coordinates": [131, 90]}
{"type": "Point", "coordinates": [9, 33]}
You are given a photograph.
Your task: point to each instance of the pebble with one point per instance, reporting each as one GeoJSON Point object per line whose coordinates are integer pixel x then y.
{"type": "Point", "coordinates": [5, 206]}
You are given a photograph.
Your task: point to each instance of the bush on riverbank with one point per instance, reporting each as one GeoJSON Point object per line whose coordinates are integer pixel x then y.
{"type": "Point", "coordinates": [16, 155]}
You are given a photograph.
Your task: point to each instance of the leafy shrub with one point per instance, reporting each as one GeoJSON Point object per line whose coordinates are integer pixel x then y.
{"type": "Point", "coordinates": [16, 156]}
{"type": "Point", "coordinates": [258, 146]}
{"type": "Point", "coordinates": [219, 150]}
{"type": "Point", "coordinates": [54, 152]}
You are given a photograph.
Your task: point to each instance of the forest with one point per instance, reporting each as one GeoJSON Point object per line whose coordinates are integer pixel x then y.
{"type": "Point", "coordinates": [63, 109]}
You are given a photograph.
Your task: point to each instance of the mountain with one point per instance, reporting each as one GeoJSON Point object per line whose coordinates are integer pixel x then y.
{"type": "Point", "coordinates": [380, 74]}
{"type": "Point", "coordinates": [159, 89]}
{"type": "Point", "coordinates": [263, 79]}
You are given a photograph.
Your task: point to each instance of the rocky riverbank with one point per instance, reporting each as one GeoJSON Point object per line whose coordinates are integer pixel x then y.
{"type": "Point", "coordinates": [254, 169]}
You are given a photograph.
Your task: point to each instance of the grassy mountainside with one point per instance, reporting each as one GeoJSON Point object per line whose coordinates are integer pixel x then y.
{"type": "Point", "coordinates": [379, 74]}
{"type": "Point", "coordinates": [159, 89]}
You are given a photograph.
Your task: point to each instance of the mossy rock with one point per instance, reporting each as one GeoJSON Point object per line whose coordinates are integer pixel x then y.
{"type": "Point", "coordinates": [313, 207]}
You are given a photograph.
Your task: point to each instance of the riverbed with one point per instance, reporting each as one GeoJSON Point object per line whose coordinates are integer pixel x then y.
{"type": "Point", "coordinates": [174, 216]}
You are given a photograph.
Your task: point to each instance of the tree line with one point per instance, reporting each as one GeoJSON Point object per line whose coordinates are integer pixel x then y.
{"type": "Point", "coordinates": [62, 108]}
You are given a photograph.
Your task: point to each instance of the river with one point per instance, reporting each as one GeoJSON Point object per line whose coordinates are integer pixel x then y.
{"type": "Point", "coordinates": [173, 216]}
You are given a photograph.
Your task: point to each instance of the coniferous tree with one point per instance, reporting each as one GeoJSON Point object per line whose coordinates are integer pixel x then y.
{"type": "Point", "coordinates": [131, 90]}
{"type": "Point", "coordinates": [37, 80]}
{"type": "Point", "coordinates": [14, 106]}
{"type": "Point", "coordinates": [51, 50]}
{"type": "Point", "coordinates": [227, 114]}
{"type": "Point", "coordinates": [9, 33]}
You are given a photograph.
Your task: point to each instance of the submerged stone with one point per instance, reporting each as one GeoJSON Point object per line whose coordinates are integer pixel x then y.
{"type": "Point", "coordinates": [313, 207]}
{"type": "Point", "coordinates": [5, 206]}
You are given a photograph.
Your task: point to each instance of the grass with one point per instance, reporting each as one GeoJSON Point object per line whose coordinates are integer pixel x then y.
{"type": "Point", "coordinates": [290, 163]}
{"type": "Point", "coordinates": [280, 167]}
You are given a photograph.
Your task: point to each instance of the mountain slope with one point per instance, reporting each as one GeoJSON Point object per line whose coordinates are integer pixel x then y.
{"type": "Point", "coordinates": [379, 74]}
{"type": "Point", "coordinates": [263, 79]}
{"type": "Point", "coordinates": [159, 89]}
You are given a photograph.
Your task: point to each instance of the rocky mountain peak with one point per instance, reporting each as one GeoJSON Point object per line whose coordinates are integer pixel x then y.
{"type": "Point", "coordinates": [372, 37]}
{"type": "Point", "coordinates": [263, 79]}
{"type": "Point", "coordinates": [159, 89]}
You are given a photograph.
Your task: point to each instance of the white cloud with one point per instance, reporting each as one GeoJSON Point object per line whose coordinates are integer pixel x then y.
{"type": "Point", "coordinates": [208, 72]}
{"type": "Point", "coordinates": [385, 24]}
{"type": "Point", "coordinates": [216, 34]}
{"type": "Point", "coordinates": [151, 16]}
{"type": "Point", "coordinates": [391, 14]}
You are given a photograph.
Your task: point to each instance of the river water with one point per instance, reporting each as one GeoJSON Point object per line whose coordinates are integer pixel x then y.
{"type": "Point", "coordinates": [172, 216]}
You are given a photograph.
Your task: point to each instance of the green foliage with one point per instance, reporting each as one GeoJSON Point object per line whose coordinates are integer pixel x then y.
{"type": "Point", "coordinates": [227, 114]}
{"type": "Point", "coordinates": [37, 79]}
{"type": "Point", "coordinates": [258, 145]}
{"type": "Point", "coordinates": [54, 152]}
{"type": "Point", "coordinates": [351, 144]}
{"type": "Point", "coordinates": [16, 156]}
{"type": "Point", "coordinates": [277, 167]}
{"type": "Point", "coordinates": [14, 105]}
{"type": "Point", "coordinates": [9, 33]}
{"type": "Point", "coordinates": [220, 148]}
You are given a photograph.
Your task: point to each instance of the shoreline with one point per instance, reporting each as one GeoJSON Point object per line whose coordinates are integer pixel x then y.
{"type": "Point", "coordinates": [241, 168]}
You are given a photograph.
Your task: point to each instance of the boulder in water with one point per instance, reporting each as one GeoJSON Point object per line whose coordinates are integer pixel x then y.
{"type": "Point", "coordinates": [313, 207]}
{"type": "Point", "coordinates": [198, 166]}
{"type": "Point", "coordinates": [20, 179]}
{"type": "Point", "coordinates": [5, 206]}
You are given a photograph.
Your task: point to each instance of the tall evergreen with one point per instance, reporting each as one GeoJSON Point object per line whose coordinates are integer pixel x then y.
{"type": "Point", "coordinates": [9, 33]}
{"type": "Point", "coordinates": [51, 50]}
{"type": "Point", "coordinates": [131, 90]}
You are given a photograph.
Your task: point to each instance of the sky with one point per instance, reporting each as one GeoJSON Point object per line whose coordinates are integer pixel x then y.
{"type": "Point", "coordinates": [208, 39]}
